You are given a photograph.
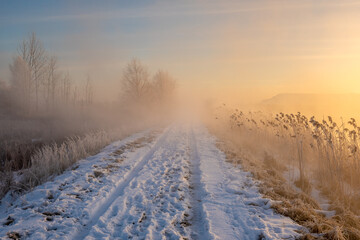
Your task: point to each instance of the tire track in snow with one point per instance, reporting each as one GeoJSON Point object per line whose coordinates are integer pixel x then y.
{"type": "Point", "coordinates": [200, 224]}
{"type": "Point", "coordinates": [119, 190]}
{"type": "Point", "coordinates": [178, 187]}
{"type": "Point", "coordinates": [155, 205]}
{"type": "Point", "coordinates": [233, 206]}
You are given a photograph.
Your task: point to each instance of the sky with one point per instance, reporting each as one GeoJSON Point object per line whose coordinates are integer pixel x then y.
{"type": "Point", "coordinates": [231, 50]}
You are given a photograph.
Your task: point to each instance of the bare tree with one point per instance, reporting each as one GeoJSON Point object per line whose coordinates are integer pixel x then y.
{"type": "Point", "coordinates": [75, 98]}
{"type": "Point", "coordinates": [135, 81]}
{"type": "Point", "coordinates": [21, 85]}
{"type": "Point", "coordinates": [31, 50]}
{"type": "Point", "coordinates": [4, 96]}
{"type": "Point", "coordinates": [51, 82]}
{"type": "Point", "coordinates": [65, 89]}
{"type": "Point", "coordinates": [2, 84]}
{"type": "Point", "coordinates": [89, 93]}
{"type": "Point", "coordinates": [163, 86]}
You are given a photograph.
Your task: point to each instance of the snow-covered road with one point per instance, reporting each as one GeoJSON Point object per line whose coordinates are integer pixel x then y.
{"type": "Point", "coordinates": [173, 184]}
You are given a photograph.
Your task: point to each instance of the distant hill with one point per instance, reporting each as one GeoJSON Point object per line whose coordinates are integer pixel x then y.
{"type": "Point", "coordinates": [316, 104]}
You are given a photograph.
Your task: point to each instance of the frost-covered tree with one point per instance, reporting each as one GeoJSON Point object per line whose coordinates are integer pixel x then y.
{"type": "Point", "coordinates": [88, 91]}
{"type": "Point", "coordinates": [21, 85]}
{"type": "Point", "coordinates": [51, 82]}
{"type": "Point", "coordinates": [3, 86]}
{"type": "Point", "coordinates": [31, 50]}
{"type": "Point", "coordinates": [163, 86]}
{"type": "Point", "coordinates": [135, 82]}
{"type": "Point", "coordinates": [4, 96]}
{"type": "Point", "coordinates": [65, 88]}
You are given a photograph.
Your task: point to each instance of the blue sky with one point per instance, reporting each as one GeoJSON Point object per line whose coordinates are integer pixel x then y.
{"type": "Point", "coordinates": [139, 27]}
{"type": "Point", "coordinates": [237, 46]}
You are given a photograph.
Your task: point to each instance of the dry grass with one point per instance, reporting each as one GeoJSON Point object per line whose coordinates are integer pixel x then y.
{"type": "Point", "coordinates": [255, 150]}
{"type": "Point", "coordinates": [54, 159]}
{"type": "Point", "coordinates": [34, 149]}
{"type": "Point", "coordinates": [325, 153]}
{"type": "Point", "coordinates": [49, 160]}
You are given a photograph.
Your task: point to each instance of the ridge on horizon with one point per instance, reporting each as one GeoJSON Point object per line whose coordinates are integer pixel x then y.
{"type": "Point", "coordinates": [283, 95]}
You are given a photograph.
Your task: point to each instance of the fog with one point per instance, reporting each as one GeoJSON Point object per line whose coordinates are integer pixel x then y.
{"type": "Point", "coordinates": [113, 66]}
{"type": "Point", "coordinates": [275, 83]}
{"type": "Point", "coordinates": [237, 52]}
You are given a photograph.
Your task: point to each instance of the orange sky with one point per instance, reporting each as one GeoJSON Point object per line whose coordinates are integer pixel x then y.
{"type": "Point", "coordinates": [233, 50]}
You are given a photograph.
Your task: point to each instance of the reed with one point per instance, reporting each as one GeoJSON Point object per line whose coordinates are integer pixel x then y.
{"type": "Point", "coordinates": [325, 153]}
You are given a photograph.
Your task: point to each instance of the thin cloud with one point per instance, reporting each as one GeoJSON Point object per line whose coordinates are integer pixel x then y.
{"type": "Point", "coordinates": [176, 10]}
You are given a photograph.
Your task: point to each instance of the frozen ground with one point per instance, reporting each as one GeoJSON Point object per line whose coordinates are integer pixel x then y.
{"type": "Point", "coordinates": [173, 184]}
{"type": "Point", "coordinates": [292, 174]}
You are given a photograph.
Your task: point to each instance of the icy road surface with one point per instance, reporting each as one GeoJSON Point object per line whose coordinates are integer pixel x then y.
{"type": "Point", "coordinates": [173, 184]}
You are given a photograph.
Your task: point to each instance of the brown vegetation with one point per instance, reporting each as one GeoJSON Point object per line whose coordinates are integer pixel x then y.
{"type": "Point", "coordinates": [323, 154]}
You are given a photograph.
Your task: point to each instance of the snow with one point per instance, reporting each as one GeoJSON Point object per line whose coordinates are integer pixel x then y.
{"type": "Point", "coordinates": [232, 204]}
{"type": "Point", "coordinates": [169, 185]}
{"type": "Point", "coordinates": [293, 174]}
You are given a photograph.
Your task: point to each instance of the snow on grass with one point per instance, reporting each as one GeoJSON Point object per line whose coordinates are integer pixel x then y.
{"type": "Point", "coordinates": [173, 186]}
{"type": "Point", "coordinates": [292, 174]}
{"type": "Point", "coordinates": [60, 207]}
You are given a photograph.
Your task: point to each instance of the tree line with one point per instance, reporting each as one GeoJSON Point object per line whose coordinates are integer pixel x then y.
{"type": "Point", "coordinates": [36, 84]}
{"type": "Point", "coordinates": [139, 88]}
